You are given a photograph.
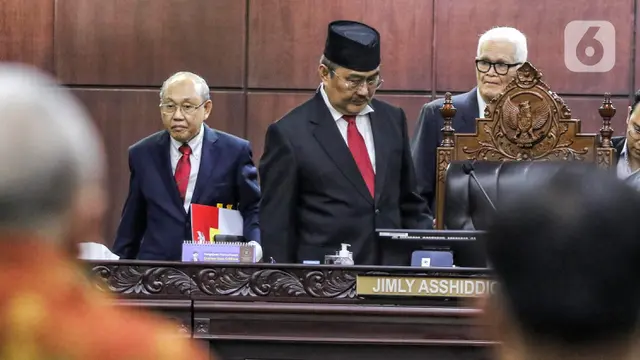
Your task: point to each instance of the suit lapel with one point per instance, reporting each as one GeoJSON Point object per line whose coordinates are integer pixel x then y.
{"type": "Point", "coordinates": [208, 160]}
{"type": "Point", "coordinates": [163, 160]}
{"type": "Point", "coordinates": [328, 136]}
{"type": "Point", "coordinates": [471, 109]}
{"type": "Point", "coordinates": [380, 141]}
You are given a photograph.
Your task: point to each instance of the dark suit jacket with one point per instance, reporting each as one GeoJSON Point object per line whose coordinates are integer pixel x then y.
{"type": "Point", "coordinates": [314, 197]}
{"type": "Point", "coordinates": [618, 143]}
{"type": "Point", "coordinates": [428, 137]}
{"type": "Point", "coordinates": [154, 223]}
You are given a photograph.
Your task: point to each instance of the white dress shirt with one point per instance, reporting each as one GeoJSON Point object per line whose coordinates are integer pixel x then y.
{"type": "Point", "coordinates": [196, 154]}
{"type": "Point", "coordinates": [481, 104]}
{"type": "Point", "coordinates": [363, 123]}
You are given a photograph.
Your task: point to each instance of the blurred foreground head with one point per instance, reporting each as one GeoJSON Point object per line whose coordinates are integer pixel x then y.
{"type": "Point", "coordinates": [566, 252]}
{"type": "Point", "coordinates": [52, 162]}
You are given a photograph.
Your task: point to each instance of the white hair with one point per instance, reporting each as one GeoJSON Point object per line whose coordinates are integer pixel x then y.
{"type": "Point", "coordinates": [508, 34]}
{"type": "Point", "coordinates": [50, 148]}
{"type": "Point", "coordinates": [201, 85]}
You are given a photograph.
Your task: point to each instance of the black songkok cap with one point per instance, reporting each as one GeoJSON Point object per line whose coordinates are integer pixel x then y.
{"type": "Point", "coordinates": [353, 45]}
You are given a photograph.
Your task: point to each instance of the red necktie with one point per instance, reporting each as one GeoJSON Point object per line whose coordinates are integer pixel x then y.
{"type": "Point", "coordinates": [359, 151]}
{"type": "Point", "coordinates": [183, 170]}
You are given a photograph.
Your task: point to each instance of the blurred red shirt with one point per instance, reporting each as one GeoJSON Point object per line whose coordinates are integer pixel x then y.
{"type": "Point", "coordinates": [48, 310]}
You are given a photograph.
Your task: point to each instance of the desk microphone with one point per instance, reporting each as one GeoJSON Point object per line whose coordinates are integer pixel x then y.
{"type": "Point", "coordinates": [467, 167]}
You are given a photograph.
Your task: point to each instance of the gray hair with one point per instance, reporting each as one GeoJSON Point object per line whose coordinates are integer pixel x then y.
{"type": "Point", "coordinates": [329, 64]}
{"type": "Point", "coordinates": [508, 34]}
{"type": "Point", "coordinates": [49, 150]}
{"type": "Point", "coordinates": [201, 85]}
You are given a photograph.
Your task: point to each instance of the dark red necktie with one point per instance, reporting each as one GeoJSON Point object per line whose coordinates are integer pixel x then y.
{"type": "Point", "coordinates": [359, 151]}
{"type": "Point", "coordinates": [183, 170]}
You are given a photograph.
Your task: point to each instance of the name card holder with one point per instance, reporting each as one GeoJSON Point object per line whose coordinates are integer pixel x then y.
{"type": "Point", "coordinates": [370, 285]}
{"type": "Point", "coordinates": [218, 252]}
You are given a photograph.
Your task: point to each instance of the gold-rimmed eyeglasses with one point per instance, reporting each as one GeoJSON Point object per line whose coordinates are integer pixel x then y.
{"type": "Point", "coordinates": [372, 83]}
{"type": "Point", "coordinates": [186, 108]}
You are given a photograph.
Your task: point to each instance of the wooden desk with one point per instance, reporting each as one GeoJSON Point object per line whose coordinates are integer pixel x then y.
{"type": "Point", "coordinates": [273, 311]}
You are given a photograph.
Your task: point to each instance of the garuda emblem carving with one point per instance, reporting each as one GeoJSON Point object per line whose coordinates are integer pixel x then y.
{"type": "Point", "coordinates": [523, 121]}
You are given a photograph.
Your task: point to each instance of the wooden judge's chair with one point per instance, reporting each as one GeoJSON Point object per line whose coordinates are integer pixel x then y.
{"type": "Point", "coordinates": [526, 123]}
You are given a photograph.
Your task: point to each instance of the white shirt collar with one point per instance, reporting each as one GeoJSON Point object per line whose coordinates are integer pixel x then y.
{"type": "Point", "coordinates": [337, 115]}
{"type": "Point", "coordinates": [481, 104]}
{"type": "Point", "coordinates": [623, 153]}
{"type": "Point", "coordinates": [195, 144]}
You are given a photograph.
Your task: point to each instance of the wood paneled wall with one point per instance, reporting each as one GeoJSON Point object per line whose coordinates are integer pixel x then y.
{"type": "Point", "coordinates": [260, 56]}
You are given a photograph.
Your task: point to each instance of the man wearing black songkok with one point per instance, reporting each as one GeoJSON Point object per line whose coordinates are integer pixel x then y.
{"type": "Point", "coordinates": [339, 166]}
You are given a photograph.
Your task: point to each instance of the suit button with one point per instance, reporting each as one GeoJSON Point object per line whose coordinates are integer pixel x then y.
{"type": "Point", "coordinates": [377, 211]}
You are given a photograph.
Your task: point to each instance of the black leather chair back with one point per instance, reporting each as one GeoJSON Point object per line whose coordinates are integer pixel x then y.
{"type": "Point", "coordinates": [466, 208]}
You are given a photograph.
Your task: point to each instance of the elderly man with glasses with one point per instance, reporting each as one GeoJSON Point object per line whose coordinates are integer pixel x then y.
{"type": "Point", "coordinates": [500, 52]}
{"type": "Point", "coordinates": [187, 163]}
{"type": "Point", "coordinates": [339, 166]}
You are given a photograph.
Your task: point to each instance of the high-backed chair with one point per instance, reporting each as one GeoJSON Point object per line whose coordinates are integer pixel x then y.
{"type": "Point", "coordinates": [526, 122]}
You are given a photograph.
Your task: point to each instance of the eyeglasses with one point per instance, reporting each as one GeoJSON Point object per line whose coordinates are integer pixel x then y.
{"type": "Point", "coordinates": [485, 66]}
{"type": "Point", "coordinates": [186, 108]}
{"type": "Point", "coordinates": [373, 83]}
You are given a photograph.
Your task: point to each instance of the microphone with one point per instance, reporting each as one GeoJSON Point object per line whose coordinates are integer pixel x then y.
{"type": "Point", "coordinates": [467, 167]}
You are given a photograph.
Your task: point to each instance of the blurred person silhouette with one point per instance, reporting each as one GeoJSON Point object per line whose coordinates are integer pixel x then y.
{"type": "Point", "coordinates": [52, 198]}
{"type": "Point", "coordinates": [566, 254]}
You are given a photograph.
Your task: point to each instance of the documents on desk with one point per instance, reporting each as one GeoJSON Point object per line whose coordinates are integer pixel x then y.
{"type": "Point", "coordinates": [210, 222]}
{"type": "Point", "coordinates": [95, 251]}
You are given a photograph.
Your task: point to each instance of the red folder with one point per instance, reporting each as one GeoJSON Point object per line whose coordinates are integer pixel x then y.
{"type": "Point", "coordinates": [204, 222]}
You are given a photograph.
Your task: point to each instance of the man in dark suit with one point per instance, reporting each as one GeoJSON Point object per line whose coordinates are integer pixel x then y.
{"type": "Point", "coordinates": [628, 147]}
{"type": "Point", "coordinates": [500, 52]}
{"type": "Point", "coordinates": [187, 163]}
{"type": "Point", "coordinates": [339, 166]}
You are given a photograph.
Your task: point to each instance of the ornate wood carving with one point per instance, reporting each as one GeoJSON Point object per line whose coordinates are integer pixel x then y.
{"type": "Point", "coordinates": [145, 280]}
{"type": "Point", "coordinates": [606, 151]}
{"type": "Point", "coordinates": [324, 283]}
{"type": "Point", "coordinates": [227, 281]}
{"type": "Point", "coordinates": [445, 151]}
{"type": "Point", "coordinates": [448, 111]}
{"type": "Point", "coordinates": [266, 281]}
{"type": "Point", "coordinates": [201, 326]}
{"type": "Point", "coordinates": [526, 122]}
{"type": "Point", "coordinates": [607, 111]}
{"type": "Point", "coordinates": [443, 159]}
